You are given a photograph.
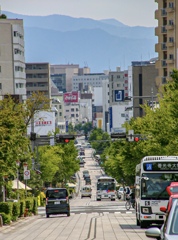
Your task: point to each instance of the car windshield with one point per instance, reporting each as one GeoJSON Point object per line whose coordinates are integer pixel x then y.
{"type": "Point", "coordinates": [56, 193]}
{"type": "Point", "coordinates": [121, 189]}
{"type": "Point", "coordinates": [174, 223]}
{"type": "Point", "coordinates": [155, 186]}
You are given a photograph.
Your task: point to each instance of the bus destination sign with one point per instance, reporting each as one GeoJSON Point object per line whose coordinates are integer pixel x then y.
{"type": "Point", "coordinates": [160, 166]}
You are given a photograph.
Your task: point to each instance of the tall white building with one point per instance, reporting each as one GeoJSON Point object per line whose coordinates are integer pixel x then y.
{"type": "Point", "coordinates": [12, 58]}
{"type": "Point", "coordinates": [83, 82]}
{"type": "Point", "coordinates": [120, 86]}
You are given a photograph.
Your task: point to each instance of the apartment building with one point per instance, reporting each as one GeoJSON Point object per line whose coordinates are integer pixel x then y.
{"type": "Point", "coordinates": [38, 78]}
{"type": "Point", "coordinates": [12, 58]}
{"type": "Point", "coordinates": [167, 32]}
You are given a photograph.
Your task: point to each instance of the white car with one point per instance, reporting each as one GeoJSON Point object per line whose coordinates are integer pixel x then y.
{"type": "Point", "coordinates": [120, 192]}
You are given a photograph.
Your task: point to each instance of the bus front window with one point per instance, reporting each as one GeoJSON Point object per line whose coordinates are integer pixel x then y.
{"type": "Point", "coordinates": [155, 186]}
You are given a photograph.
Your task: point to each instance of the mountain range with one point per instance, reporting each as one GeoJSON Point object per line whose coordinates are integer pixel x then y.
{"type": "Point", "coordinates": [98, 44]}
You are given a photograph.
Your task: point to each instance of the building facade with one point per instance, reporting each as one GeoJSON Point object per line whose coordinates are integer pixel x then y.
{"type": "Point", "coordinates": [167, 46]}
{"type": "Point", "coordinates": [69, 70]}
{"type": "Point", "coordinates": [145, 89]}
{"type": "Point", "coordinates": [38, 78]}
{"type": "Point", "coordinates": [12, 58]}
{"type": "Point", "coordinates": [60, 81]}
{"type": "Point", "coordinates": [83, 82]}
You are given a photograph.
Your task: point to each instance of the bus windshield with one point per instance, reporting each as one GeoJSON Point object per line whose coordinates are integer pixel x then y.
{"type": "Point", "coordinates": [155, 185]}
{"type": "Point", "coordinates": [106, 186]}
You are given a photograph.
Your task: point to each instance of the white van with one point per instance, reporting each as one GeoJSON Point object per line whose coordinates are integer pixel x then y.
{"type": "Point", "coordinates": [86, 191]}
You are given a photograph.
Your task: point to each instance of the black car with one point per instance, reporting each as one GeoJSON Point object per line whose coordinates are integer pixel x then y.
{"type": "Point", "coordinates": [87, 181]}
{"type": "Point", "coordinates": [57, 201]}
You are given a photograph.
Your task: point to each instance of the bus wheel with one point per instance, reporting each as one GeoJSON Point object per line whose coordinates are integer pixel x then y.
{"type": "Point", "coordinates": [143, 224]}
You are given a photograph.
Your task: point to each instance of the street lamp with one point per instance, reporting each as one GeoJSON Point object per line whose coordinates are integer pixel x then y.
{"type": "Point", "coordinates": [18, 164]}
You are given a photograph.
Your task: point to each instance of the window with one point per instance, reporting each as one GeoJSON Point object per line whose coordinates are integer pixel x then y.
{"type": "Point", "coordinates": [171, 5]}
{"type": "Point", "coordinates": [171, 56]}
{"type": "Point", "coordinates": [171, 22]}
{"type": "Point", "coordinates": [123, 115]}
{"type": "Point", "coordinates": [72, 109]}
{"type": "Point", "coordinates": [0, 68]}
{"type": "Point", "coordinates": [0, 86]}
{"type": "Point", "coordinates": [72, 115]}
{"type": "Point", "coordinates": [67, 110]}
{"type": "Point", "coordinates": [171, 39]}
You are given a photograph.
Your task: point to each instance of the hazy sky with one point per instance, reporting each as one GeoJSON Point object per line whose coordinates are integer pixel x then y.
{"type": "Point", "coordinates": [129, 12]}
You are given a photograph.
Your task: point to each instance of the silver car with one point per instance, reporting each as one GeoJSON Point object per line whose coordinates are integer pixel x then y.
{"type": "Point", "coordinates": [169, 230]}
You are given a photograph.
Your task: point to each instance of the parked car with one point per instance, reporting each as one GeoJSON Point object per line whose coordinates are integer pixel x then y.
{"type": "Point", "coordinates": [169, 230]}
{"type": "Point", "coordinates": [57, 201]}
{"type": "Point", "coordinates": [120, 192]}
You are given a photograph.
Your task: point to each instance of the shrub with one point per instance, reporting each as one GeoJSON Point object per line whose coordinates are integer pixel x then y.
{"type": "Point", "coordinates": [35, 206]}
{"type": "Point", "coordinates": [6, 218]}
{"type": "Point", "coordinates": [15, 211]}
{"type": "Point", "coordinates": [22, 208]}
{"type": "Point", "coordinates": [29, 205]}
{"type": "Point", "coordinates": [6, 207]}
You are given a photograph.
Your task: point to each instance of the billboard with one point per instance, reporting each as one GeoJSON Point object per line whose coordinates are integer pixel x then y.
{"type": "Point", "coordinates": [71, 97]}
{"type": "Point", "coordinates": [119, 95]}
{"type": "Point", "coordinates": [44, 123]}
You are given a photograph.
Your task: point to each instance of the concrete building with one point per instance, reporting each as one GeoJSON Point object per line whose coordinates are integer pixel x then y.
{"type": "Point", "coordinates": [60, 81]}
{"type": "Point", "coordinates": [85, 107]}
{"type": "Point", "coordinates": [12, 58]}
{"type": "Point", "coordinates": [119, 88]}
{"type": "Point", "coordinates": [145, 89]}
{"type": "Point", "coordinates": [58, 104]}
{"type": "Point", "coordinates": [83, 82]}
{"type": "Point", "coordinates": [167, 46]}
{"type": "Point", "coordinates": [69, 70]}
{"type": "Point", "coordinates": [38, 78]}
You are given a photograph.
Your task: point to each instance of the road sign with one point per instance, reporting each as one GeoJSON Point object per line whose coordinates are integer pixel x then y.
{"type": "Point", "coordinates": [26, 174]}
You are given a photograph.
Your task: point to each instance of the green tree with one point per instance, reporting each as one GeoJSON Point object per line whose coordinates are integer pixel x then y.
{"type": "Point", "coordinates": [158, 126]}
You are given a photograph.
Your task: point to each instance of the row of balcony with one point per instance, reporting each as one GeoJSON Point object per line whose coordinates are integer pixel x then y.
{"type": "Point", "coordinates": [163, 29]}
{"type": "Point", "coordinates": [159, 47]}
{"type": "Point", "coordinates": [164, 63]}
{"type": "Point", "coordinates": [164, 11]}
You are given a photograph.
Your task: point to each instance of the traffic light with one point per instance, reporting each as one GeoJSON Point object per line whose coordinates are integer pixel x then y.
{"type": "Point", "coordinates": [136, 139]}
{"type": "Point", "coordinates": [118, 135]}
{"type": "Point", "coordinates": [64, 138]}
{"type": "Point", "coordinates": [32, 136]}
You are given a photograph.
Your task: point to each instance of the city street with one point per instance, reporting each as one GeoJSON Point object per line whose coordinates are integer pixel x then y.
{"type": "Point", "coordinates": [90, 219]}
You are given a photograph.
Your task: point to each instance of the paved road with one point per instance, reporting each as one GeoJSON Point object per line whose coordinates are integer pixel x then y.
{"type": "Point", "coordinates": [89, 220]}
